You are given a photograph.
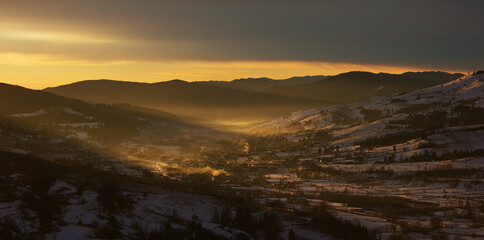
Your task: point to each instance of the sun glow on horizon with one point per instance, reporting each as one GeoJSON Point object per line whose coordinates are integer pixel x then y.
{"type": "Point", "coordinates": [39, 71]}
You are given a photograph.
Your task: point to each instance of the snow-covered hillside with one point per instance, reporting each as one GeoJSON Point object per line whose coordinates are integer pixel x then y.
{"type": "Point", "coordinates": [392, 107]}
{"type": "Point", "coordinates": [440, 119]}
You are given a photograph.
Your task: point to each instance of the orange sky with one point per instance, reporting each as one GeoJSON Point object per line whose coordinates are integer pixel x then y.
{"type": "Point", "coordinates": [60, 42]}
{"type": "Point", "coordinates": [41, 71]}
{"type": "Point", "coordinates": [39, 74]}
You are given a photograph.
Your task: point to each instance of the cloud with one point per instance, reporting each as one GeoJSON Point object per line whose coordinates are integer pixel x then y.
{"type": "Point", "coordinates": [439, 34]}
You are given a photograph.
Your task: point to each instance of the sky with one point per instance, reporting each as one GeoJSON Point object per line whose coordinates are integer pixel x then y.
{"type": "Point", "coordinates": [51, 42]}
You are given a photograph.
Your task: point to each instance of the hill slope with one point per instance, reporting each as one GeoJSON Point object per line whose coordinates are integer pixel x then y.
{"type": "Point", "coordinates": [439, 119]}
{"type": "Point", "coordinates": [180, 97]}
{"type": "Point", "coordinates": [65, 117]}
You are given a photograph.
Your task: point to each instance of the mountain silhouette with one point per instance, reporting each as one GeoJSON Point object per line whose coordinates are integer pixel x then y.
{"type": "Point", "coordinates": [250, 98]}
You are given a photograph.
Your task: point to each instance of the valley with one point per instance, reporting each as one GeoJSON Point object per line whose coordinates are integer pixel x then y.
{"type": "Point", "coordinates": [398, 165]}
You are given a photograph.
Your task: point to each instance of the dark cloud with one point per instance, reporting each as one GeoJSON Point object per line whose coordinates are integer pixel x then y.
{"type": "Point", "coordinates": [438, 34]}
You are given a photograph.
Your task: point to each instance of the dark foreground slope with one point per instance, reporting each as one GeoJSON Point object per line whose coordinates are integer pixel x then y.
{"type": "Point", "coordinates": [41, 199]}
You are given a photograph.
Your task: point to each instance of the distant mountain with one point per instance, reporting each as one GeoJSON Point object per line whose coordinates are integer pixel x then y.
{"type": "Point", "coordinates": [251, 98]}
{"type": "Point", "coordinates": [354, 86]}
{"type": "Point", "coordinates": [251, 84]}
{"type": "Point", "coordinates": [180, 97]}
{"type": "Point", "coordinates": [261, 84]}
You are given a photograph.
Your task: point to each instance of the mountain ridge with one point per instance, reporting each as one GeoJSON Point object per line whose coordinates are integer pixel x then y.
{"type": "Point", "coordinates": [250, 98]}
